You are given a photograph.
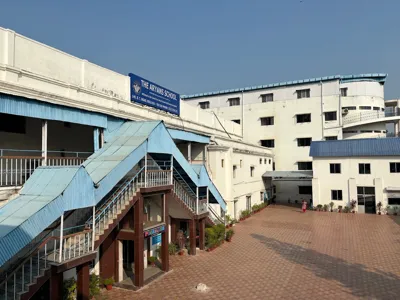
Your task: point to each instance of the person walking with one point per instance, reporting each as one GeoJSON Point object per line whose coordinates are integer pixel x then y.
{"type": "Point", "coordinates": [304, 206]}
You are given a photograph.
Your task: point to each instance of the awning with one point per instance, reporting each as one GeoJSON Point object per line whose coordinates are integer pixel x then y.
{"type": "Point", "coordinates": [182, 135]}
{"type": "Point", "coordinates": [288, 174]}
{"type": "Point", "coordinates": [393, 189]}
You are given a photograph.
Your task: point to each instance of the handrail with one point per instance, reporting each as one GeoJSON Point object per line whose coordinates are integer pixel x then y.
{"type": "Point", "coordinates": [214, 213]}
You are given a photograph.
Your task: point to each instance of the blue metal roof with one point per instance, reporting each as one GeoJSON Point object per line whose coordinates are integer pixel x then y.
{"type": "Point", "coordinates": [356, 147]}
{"type": "Point", "coordinates": [177, 134]}
{"type": "Point", "coordinates": [379, 77]}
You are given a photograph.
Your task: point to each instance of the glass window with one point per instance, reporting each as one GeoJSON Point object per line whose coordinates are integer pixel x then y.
{"type": "Point", "coordinates": [334, 168]}
{"type": "Point", "coordinates": [234, 101]}
{"type": "Point", "coordinates": [350, 107]}
{"type": "Point", "coordinates": [204, 105]}
{"type": "Point", "coordinates": [330, 116]}
{"type": "Point", "coordinates": [260, 161]}
{"type": "Point", "coordinates": [304, 165]}
{"type": "Point", "coordinates": [12, 124]}
{"type": "Point", "coordinates": [336, 195]}
{"type": "Point", "coordinates": [251, 171]}
{"type": "Point", "coordinates": [222, 163]}
{"type": "Point", "coordinates": [303, 142]}
{"type": "Point", "coordinates": [303, 118]}
{"type": "Point", "coordinates": [394, 167]}
{"type": "Point", "coordinates": [268, 143]}
{"type": "Point", "coordinates": [394, 201]}
{"type": "Point", "coordinates": [234, 171]}
{"type": "Point", "coordinates": [266, 121]}
{"type": "Point", "coordinates": [236, 121]}
{"type": "Point", "coordinates": [330, 138]}
{"type": "Point", "coordinates": [267, 97]}
{"type": "Point", "coordinates": [365, 107]}
{"type": "Point", "coordinates": [343, 92]}
{"type": "Point", "coordinates": [364, 168]}
{"type": "Point", "coordinates": [303, 93]}
{"type": "Point", "coordinates": [376, 108]}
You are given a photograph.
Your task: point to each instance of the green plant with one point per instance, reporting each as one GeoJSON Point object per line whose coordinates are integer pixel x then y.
{"type": "Point", "coordinates": [108, 281]}
{"type": "Point", "coordinates": [379, 206]}
{"type": "Point", "coordinates": [94, 285]}
{"type": "Point", "coordinates": [325, 207]}
{"type": "Point", "coordinates": [69, 289]}
{"type": "Point", "coordinates": [388, 209]}
{"type": "Point", "coordinates": [228, 219]}
{"type": "Point", "coordinates": [215, 235]}
{"type": "Point", "coordinates": [331, 205]}
{"type": "Point", "coordinates": [346, 209]}
{"type": "Point", "coordinates": [229, 234]}
{"type": "Point", "coordinates": [158, 252]}
{"type": "Point", "coordinates": [395, 208]}
{"type": "Point", "coordinates": [172, 248]}
{"type": "Point", "coordinates": [319, 207]}
{"type": "Point", "coordinates": [255, 207]}
{"type": "Point", "coordinates": [152, 260]}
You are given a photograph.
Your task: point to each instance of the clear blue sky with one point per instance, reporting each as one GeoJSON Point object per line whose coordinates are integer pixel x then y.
{"type": "Point", "coordinates": [199, 46]}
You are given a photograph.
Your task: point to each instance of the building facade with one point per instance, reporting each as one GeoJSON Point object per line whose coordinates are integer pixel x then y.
{"type": "Point", "coordinates": [286, 117]}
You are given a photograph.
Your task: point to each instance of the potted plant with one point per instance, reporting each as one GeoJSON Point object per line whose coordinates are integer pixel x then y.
{"type": "Point", "coordinates": [353, 204]}
{"type": "Point", "coordinates": [229, 234]}
{"type": "Point", "coordinates": [319, 207]}
{"type": "Point", "coordinates": [331, 205]}
{"type": "Point", "coordinates": [152, 260]}
{"type": "Point", "coordinates": [346, 209]}
{"type": "Point", "coordinates": [395, 208]}
{"type": "Point", "coordinates": [325, 207]}
{"type": "Point", "coordinates": [108, 282]}
{"type": "Point", "coordinates": [94, 285]}
{"type": "Point", "coordinates": [340, 208]}
{"type": "Point", "coordinates": [69, 287]}
{"type": "Point", "coordinates": [388, 208]}
{"type": "Point", "coordinates": [379, 207]}
{"type": "Point", "coordinates": [172, 248]}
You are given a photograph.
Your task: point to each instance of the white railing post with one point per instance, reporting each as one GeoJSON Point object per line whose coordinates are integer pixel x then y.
{"type": "Point", "coordinates": [172, 169]}
{"type": "Point", "coordinates": [61, 236]}
{"type": "Point", "coordinates": [145, 171]}
{"type": "Point", "coordinates": [93, 226]}
{"type": "Point", "coordinates": [44, 142]}
{"type": "Point", "coordinates": [197, 200]}
{"type": "Point", "coordinates": [207, 199]}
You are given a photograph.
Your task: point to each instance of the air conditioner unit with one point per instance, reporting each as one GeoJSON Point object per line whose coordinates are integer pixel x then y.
{"type": "Point", "coordinates": [345, 111]}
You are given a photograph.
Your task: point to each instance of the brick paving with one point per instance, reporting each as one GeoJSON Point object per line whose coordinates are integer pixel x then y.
{"type": "Point", "coordinates": [281, 253]}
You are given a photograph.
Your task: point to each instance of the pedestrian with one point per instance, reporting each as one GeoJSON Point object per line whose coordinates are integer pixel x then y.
{"type": "Point", "coordinates": [304, 206]}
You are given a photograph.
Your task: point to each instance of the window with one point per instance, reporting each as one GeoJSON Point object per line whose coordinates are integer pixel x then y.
{"type": "Point", "coordinates": [350, 107]}
{"type": "Point", "coordinates": [204, 105]}
{"type": "Point", "coordinates": [350, 131]}
{"type": "Point", "coordinates": [267, 97]}
{"type": "Point", "coordinates": [336, 195]}
{"type": "Point", "coordinates": [240, 163]}
{"type": "Point", "coordinates": [268, 143]}
{"type": "Point", "coordinates": [304, 165]}
{"type": "Point", "coordinates": [330, 138]}
{"type": "Point", "coordinates": [343, 92]}
{"type": "Point", "coordinates": [266, 121]}
{"type": "Point", "coordinates": [334, 168]}
{"type": "Point", "coordinates": [394, 201]}
{"type": "Point", "coordinates": [273, 166]}
{"type": "Point", "coordinates": [303, 142]}
{"type": "Point", "coordinates": [265, 161]}
{"type": "Point", "coordinates": [234, 171]}
{"type": "Point", "coordinates": [13, 124]}
{"type": "Point", "coordinates": [274, 189]}
{"type": "Point", "coordinates": [365, 107]}
{"type": "Point", "coordinates": [365, 193]}
{"type": "Point", "coordinates": [262, 196]}
{"type": "Point", "coordinates": [248, 203]}
{"type": "Point", "coordinates": [366, 131]}
{"type": "Point", "coordinates": [269, 161]}
{"type": "Point", "coordinates": [330, 116]}
{"type": "Point", "coordinates": [234, 101]}
{"type": "Point", "coordinates": [383, 109]}
{"type": "Point", "coordinates": [236, 121]}
{"type": "Point", "coordinates": [364, 168]}
{"type": "Point", "coordinates": [303, 93]}
{"type": "Point", "coordinates": [260, 161]}
{"type": "Point", "coordinates": [251, 171]}
{"type": "Point", "coordinates": [222, 163]}
{"type": "Point", "coordinates": [376, 108]}
{"type": "Point", "coordinates": [303, 118]}
{"type": "Point", "coordinates": [305, 190]}
{"type": "Point", "coordinates": [394, 167]}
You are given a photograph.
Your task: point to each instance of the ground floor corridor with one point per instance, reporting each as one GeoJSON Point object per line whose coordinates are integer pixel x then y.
{"type": "Point", "coordinates": [281, 253]}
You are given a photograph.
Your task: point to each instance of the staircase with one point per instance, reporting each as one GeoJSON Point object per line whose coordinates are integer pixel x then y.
{"type": "Point", "coordinates": [213, 216]}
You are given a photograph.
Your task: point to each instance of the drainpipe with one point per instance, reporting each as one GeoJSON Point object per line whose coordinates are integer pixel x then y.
{"type": "Point", "coordinates": [340, 108]}
{"type": "Point", "coordinates": [242, 116]}
{"type": "Point", "coordinates": [322, 113]}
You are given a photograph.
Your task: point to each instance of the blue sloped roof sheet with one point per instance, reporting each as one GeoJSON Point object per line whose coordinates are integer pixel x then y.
{"type": "Point", "coordinates": [356, 147]}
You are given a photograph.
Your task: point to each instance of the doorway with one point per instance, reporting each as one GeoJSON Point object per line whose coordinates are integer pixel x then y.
{"type": "Point", "coordinates": [128, 262]}
{"type": "Point", "coordinates": [366, 199]}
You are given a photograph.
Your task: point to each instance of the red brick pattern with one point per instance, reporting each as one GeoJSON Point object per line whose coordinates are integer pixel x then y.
{"type": "Point", "coordinates": [281, 253]}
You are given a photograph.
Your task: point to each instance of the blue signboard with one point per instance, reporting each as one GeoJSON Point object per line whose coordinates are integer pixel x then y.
{"type": "Point", "coordinates": [156, 239]}
{"type": "Point", "coordinates": [151, 94]}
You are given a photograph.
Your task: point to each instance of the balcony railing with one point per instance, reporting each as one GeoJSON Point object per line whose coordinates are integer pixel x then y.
{"type": "Point", "coordinates": [16, 166]}
{"type": "Point", "coordinates": [360, 116]}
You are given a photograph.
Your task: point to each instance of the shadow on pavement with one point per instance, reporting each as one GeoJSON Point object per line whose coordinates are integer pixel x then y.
{"type": "Point", "coordinates": [361, 282]}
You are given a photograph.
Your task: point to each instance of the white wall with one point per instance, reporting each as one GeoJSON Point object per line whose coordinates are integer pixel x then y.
{"type": "Point", "coordinates": [349, 179]}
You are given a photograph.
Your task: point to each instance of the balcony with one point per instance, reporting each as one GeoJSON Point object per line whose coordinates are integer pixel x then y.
{"type": "Point", "coordinates": [374, 116]}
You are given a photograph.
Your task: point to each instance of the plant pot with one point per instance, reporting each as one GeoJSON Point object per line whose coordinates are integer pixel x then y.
{"type": "Point", "coordinates": [379, 213]}
{"type": "Point", "coordinates": [229, 240]}
{"type": "Point", "coordinates": [109, 287]}
{"type": "Point", "coordinates": [180, 253]}
{"type": "Point", "coordinates": [230, 225]}
{"type": "Point", "coordinates": [395, 214]}
{"type": "Point", "coordinates": [353, 212]}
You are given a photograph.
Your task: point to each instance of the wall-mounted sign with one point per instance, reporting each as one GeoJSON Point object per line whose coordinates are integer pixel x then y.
{"type": "Point", "coordinates": [154, 231]}
{"type": "Point", "coordinates": [155, 240]}
{"type": "Point", "coordinates": [148, 93]}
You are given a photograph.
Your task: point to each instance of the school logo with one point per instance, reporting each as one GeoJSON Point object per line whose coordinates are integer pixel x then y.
{"type": "Point", "coordinates": [137, 87]}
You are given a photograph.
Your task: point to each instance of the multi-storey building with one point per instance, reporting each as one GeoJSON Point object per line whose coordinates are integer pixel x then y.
{"type": "Point", "coordinates": [286, 117]}
{"type": "Point", "coordinates": [92, 180]}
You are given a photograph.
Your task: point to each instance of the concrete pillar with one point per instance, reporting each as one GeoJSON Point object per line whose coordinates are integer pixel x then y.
{"type": "Point", "coordinates": [173, 230]}
{"type": "Point", "coordinates": [316, 196]}
{"type": "Point", "coordinates": [82, 285]}
{"type": "Point", "coordinates": [56, 284]}
{"type": "Point", "coordinates": [192, 236]}
{"type": "Point", "coordinates": [202, 233]}
{"type": "Point", "coordinates": [44, 142]}
{"type": "Point", "coordinates": [165, 235]}
{"type": "Point", "coordinates": [204, 154]}
{"type": "Point", "coordinates": [109, 256]}
{"type": "Point", "coordinates": [96, 146]}
{"type": "Point", "coordinates": [139, 242]}
{"type": "Point", "coordinates": [352, 195]}
{"type": "Point", "coordinates": [189, 152]}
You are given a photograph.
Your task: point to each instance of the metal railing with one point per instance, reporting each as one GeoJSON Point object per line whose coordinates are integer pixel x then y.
{"type": "Point", "coordinates": [182, 194]}
{"type": "Point", "coordinates": [16, 166]}
{"type": "Point", "coordinates": [203, 206]}
{"type": "Point", "coordinates": [215, 217]}
{"type": "Point", "coordinates": [52, 250]}
{"type": "Point", "coordinates": [360, 116]}
{"type": "Point", "coordinates": [158, 178]}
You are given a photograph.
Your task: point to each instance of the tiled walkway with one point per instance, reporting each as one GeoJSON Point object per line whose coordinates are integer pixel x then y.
{"type": "Point", "coordinates": [281, 253]}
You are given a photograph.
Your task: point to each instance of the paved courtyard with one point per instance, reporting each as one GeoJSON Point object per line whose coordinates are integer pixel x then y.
{"type": "Point", "coordinates": [281, 253]}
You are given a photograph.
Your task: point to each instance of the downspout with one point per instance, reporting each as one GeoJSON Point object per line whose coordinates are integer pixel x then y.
{"type": "Point", "coordinates": [340, 108]}
{"type": "Point", "coordinates": [242, 122]}
{"type": "Point", "coordinates": [322, 113]}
